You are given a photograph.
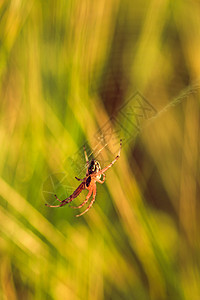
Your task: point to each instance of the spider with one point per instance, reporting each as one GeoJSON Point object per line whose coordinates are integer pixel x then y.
{"type": "Point", "coordinates": [93, 175]}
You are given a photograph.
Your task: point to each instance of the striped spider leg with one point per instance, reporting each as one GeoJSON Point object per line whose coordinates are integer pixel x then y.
{"type": "Point", "coordinates": [93, 175]}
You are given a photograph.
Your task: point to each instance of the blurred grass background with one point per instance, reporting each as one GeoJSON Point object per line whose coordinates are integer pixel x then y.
{"type": "Point", "coordinates": [66, 67]}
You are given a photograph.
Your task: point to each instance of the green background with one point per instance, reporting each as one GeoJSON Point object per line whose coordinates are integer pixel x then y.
{"type": "Point", "coordinates": [66, 68]}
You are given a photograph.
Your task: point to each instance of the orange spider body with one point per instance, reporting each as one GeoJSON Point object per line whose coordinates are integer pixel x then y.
{"type": "Point", "coordinates": [93, 175]}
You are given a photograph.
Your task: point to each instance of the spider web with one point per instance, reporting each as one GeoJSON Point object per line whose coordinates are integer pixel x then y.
{"type": "Point", "coordinates": [64, 183]}
{"type": "Point", "coordinates": [59, 184]}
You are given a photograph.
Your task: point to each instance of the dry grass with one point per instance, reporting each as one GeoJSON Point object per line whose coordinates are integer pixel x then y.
{"type": "Point", "coordinates": [66, 67]}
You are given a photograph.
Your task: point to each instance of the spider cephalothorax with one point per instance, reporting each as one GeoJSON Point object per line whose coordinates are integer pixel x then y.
{"type": "Point", "coordinates": [93, 175]}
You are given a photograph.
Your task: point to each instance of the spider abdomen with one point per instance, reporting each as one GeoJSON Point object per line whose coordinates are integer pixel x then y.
{"type": "Point", "coordinates": [94, 167]}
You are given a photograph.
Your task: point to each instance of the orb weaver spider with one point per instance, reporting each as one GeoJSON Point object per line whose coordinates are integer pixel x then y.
{"type": "Point", "coordinates": [93, 175]}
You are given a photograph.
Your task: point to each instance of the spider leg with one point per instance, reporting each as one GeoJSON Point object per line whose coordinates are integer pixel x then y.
{"type": "Point", "coordinates": [102, 181]}
{"type": "Point", "coordinates": [79, 179]}
{"type": "Point", "coordinates": [63, 202]}
{"type": "Point", "coordinates": [86, 200]}
{"type": "Point", "coordinates": [58, 199]}
{"type": "Point", "coordinates": [70, 198]}
{"type": "Point", "coordinates": [110, 165]}
{"type": "Point", "coordinates": [91, 203]}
